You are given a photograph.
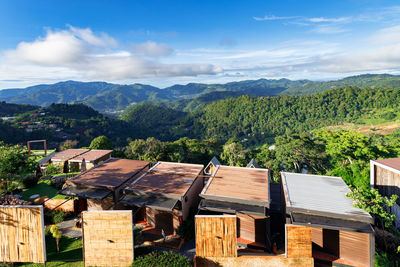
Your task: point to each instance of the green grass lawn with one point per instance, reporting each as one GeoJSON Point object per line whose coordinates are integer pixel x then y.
{"type": "Point", "coordinates": [43, 188]}
{"type": "Point", "coordinates": [39, 154]}
{"type": "Point", "coordinates": [70, 249]}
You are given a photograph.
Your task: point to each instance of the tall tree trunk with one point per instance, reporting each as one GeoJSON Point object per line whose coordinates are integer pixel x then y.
{"type": "Point", "coordinates": [57, 242]}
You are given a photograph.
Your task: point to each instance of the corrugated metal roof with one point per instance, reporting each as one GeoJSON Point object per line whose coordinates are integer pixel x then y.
{"type": "Point", "coordinates": [252, 164]}
{"type": "Point", "coordinates": [215, 161]}
{"type": "Point", "coordinates": [320, 195]}
{"type": "Point", "coordinates": [68, 154]}
{"type": "Point", "coordinates": [91, 155]}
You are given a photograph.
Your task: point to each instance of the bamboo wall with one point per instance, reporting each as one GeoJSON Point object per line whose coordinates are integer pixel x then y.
{"type": "Point", "coordinates": [22, 234]}
{"type": "Point", "coordinates": [387, 182]}
{"type": "Point", "coordinates": [108, 238]}
{"type": "Point", "coordinates": [216, 236]}
{"type": "Point", "coordinates": [298, 241]}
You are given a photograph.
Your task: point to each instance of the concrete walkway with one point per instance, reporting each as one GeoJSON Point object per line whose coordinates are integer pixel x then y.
{"type": "Point", "coordinates": [67, 228]}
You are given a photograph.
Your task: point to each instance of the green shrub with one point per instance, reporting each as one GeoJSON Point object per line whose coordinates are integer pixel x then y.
{"type": "Point", "coordinates": [53, 169]}
{"type": "Point", "coordinates": [162, 259]}
{"type": "Point", "coordinates": [59, 216]}
{"type": "Point", "coordinates": [30, 180]}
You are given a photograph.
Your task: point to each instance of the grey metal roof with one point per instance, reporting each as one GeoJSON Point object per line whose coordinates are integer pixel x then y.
{"type": "Point", "coordinates": [320, 195]}
{"type": "Point", "coordinates": [252, 164]}
{"type": "Point", "coordinates": [215, 161]}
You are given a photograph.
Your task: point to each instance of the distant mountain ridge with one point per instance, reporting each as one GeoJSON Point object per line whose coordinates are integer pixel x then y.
{"type": "Point", "coordinates": [109, 98]}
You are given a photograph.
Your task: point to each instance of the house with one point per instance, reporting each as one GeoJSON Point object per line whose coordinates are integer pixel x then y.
{"type": "Point", "coordinates": [385, 176]}
{"type": "Point", "coordinates": [165, 195]}
{"type": "Point", "coordinates": [252, 164]}
{"type": "Point", "coordinates": [210, 168]}
{"type": "Point", "coordinates": [61, 158]}
{"type": "Point", "coordinates": [243, 193]}
{"type": "Point", "coordinates": [88, 159]}
{"type": "Point", "coordinates": [340, 233]}
{"type": "Point", "coordinates": [100, 187]}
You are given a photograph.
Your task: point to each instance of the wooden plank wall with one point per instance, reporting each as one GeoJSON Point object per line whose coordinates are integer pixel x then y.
{"type": "Point", "coordinates": [351, 246]}
{"type": "Point", "coordinates": [166, 220]}
{"type": "Point", "coordinates": [216, 236]}
{"type": "Point", "coordinates": [298, 241]}
{"type": "Point", "coordinates": [355, 247]}
{"type": "Point", "coordinates": [252, 228]}
{"type": "Point", "coordinates": [22, 234]}
{"type": "Point", "coordinates": [108, 238]}
{"type": "Point", "coordinates": [387, 182]}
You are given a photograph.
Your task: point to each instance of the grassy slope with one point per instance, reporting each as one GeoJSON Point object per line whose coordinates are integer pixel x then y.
{"type": "Point", "coordinates": [43, 188]}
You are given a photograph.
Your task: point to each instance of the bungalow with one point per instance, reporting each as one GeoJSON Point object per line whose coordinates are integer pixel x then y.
{"type": "Point", "coordinates": [88, 160]}
{"type": "Point", "coordinates": [340, 233]}
{"type": "Point", "coordinates": [385, 176]}
{"type": "Point", "coordinates": [243, 193]}
{"type": "Point", "coordinates": [99, 188]}
{"type": "Point", "coordinates": [165, 195]}
{"type": "Point", "coordinates": [61, 158]}
{"type": "Point", "coordinates": [211, 166]}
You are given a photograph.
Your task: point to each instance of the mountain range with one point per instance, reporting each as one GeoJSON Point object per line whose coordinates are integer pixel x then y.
{"type": "Point", "coordinates": [114, 98]}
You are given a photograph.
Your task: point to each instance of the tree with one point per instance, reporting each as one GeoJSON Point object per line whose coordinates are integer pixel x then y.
{"type": "Point", "coordinates": [300, 151]}
{"type": "Point", "coordinates": [233, 154]}
{"type": "Point", "coordinates": [14, 162]}
{"type": "Point", "coordinates": [150, 149]}
{"type": "Point", "coordinates": [57, 234]}
{"type": "Point", "coordinates": [101, 142]}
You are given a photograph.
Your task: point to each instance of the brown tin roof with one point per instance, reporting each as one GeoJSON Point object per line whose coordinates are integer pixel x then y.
{"type": "Point", "coordinates": [246, 184]}
{"type": "Point", "coordinates": [168, 178]}
{"type": "Point", "coordinates": [91, 155]}
{"type": "Point", "coordinates": [68, 154]}
{"type": "Point", "coordinates": [111, 173]}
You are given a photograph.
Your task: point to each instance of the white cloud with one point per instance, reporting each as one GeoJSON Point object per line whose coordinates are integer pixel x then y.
{"type": "Point", "coordinates": [60, 47]}
{"type": "Point", "coordinates": [272, 17]}
{"type": "Point", "coordinates": [152, 49]}
{"type": "Point", "coordinates": [82, 54]}
{"type": "Point", "coordinates": [322, 19]}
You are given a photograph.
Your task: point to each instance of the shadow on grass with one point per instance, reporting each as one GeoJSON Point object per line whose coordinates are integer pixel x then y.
{"type": "Point", "coordinates": [70, 249]}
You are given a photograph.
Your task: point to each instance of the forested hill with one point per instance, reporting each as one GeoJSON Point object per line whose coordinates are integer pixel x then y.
{"type": "Point", "coordinates": [262, 117]}
{"type": "Point", "coordinates": [113, 98]}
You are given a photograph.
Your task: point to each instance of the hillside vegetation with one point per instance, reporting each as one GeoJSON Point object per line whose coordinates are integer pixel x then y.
{"type": "Point", "coordinates": [112, 99]}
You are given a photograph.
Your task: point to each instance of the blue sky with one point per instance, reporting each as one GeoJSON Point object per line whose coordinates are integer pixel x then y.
{"type": "Point", "coordinates": [167, 42]}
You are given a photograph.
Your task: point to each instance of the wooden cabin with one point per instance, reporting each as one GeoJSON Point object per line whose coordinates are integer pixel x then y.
{"type": "Point", "coordinates": [385, 176]}
{"type": "Point", "coordinates": [211, 166]}
{"type": "Point", "coordinates": [340, 234]}
{"type": "Point", "coordinates": [88, 159]}
{"type": "Point", "coordinates": [165, 195]}
{"type": "Point", "coordinates": [244, 193]}
{"type": "Point", "coordinates": [61, 159]}
{"type": "Point", "coordinates": [100, 187]}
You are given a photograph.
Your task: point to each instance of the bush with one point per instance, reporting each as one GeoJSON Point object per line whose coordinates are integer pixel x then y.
{"type": "Point", "coordinates": [59, 216]}
{"type": "Point", "coordinates": [53, 169]}
{"type": "Point", "coordinates": [30, 180]}
{"type": "Point", "coordinates": [161, 259]}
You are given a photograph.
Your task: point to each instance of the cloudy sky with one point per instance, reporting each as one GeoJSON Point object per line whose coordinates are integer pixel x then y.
{"type": "Point", "coordinates": [166, 42]}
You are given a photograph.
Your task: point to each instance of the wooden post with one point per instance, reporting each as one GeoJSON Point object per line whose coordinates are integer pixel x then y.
{"type": "Point", "coordinates": [45, 147]}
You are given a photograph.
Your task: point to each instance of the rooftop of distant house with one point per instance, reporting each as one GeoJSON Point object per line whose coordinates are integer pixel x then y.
{"type": "Point", "coordinates": [91, 155]}
{"type": "Point", "coordinates": [68, 154]}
